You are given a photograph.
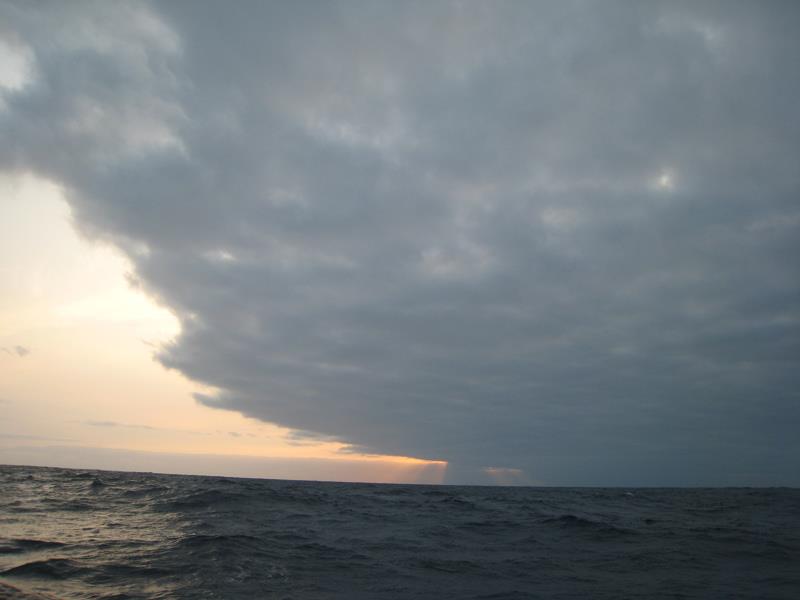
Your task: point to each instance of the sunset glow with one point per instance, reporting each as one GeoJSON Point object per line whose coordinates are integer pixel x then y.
{"type": "Point", "coordinates": [88, 378]}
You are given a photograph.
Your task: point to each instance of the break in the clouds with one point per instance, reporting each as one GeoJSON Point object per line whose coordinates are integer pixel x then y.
{"type": "Point", "coordinates": [556, 238]}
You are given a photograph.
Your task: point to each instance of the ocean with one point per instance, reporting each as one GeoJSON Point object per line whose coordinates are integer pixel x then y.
{"type": "Point", "coordinates": [102, 534]}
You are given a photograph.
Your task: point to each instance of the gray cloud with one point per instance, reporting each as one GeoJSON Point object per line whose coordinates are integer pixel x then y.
{"type": "Point", "coordinates": [547, 237]}
{"type": "Point", "coordinates": [20, 351]}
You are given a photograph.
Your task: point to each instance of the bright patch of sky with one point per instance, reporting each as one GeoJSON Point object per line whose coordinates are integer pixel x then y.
{"type": "Point", "coordinates": [85, 378]}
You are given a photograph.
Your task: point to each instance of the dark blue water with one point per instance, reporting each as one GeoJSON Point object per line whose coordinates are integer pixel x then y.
{"type": "Point", "coordinates": [93, 534]}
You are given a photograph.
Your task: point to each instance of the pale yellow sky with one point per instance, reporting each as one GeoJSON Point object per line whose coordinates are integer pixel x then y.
{"type": "Point", "coordinates": [77, 377]}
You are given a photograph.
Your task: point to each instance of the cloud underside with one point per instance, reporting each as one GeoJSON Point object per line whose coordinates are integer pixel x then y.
{"type": "Point", "coordinates": [554, 237]}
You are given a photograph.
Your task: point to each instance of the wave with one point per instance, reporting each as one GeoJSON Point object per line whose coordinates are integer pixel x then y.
{"type": "Point", "coordinates": [52, 568]}
{"type": "Point", "coordinates": [158, 536]}
{"type": "Point", "coordinates": [574, 522]}
{"type": "Point", "coordinates": [450, 566]}
{"type": "Point", "coordinates": [15, 546]}
{"type": "Point", "coordinates": [201, 500]}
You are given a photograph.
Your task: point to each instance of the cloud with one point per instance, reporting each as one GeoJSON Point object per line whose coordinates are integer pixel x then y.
{"type": "Point", "coordinates": [299, 437]}
{"type": "Point", "coordinates": [116, 424]}
{"type": "Point", "coordinates": [546, 237]}
{"type": "Point", "coordinates": [31, 438]}
{"type": "Point", "coordinates": [20, 351]}
{"type": "Point", "coordinates": [506, 476]}
{"type": "Point", "coordinates": [96, 423]}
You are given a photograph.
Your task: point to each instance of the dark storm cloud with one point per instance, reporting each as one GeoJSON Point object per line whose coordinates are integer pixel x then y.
{"type": "Point", "coordinates": [555, 237]}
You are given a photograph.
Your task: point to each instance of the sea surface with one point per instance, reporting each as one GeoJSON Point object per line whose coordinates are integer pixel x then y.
{"type": "Point", "coordinates": [102, 534]}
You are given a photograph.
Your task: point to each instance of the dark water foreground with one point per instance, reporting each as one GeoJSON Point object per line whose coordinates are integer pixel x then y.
{"type": "Point", "coordinates": [76, 534]}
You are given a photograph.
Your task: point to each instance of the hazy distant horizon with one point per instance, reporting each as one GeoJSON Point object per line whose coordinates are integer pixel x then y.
{"type": "Point", "coordinates": [322, 470]}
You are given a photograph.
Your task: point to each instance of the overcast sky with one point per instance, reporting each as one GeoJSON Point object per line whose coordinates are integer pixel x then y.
{"type": "Point", "coordinates": [554, 239]}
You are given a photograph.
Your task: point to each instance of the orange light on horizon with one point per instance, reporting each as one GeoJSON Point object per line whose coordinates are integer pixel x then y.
{"type": "Point", "coordinates": [88, 380]}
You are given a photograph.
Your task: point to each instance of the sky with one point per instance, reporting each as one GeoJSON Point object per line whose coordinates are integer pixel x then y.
{"type": "Point", "coordinates": [541, 243]}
